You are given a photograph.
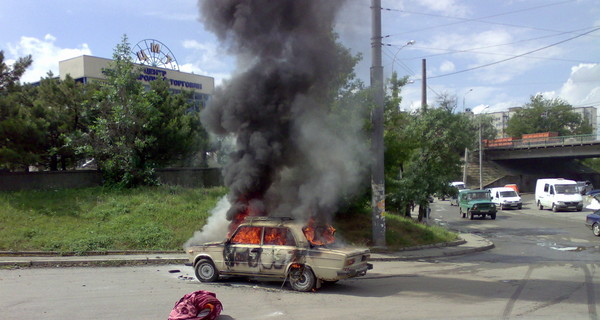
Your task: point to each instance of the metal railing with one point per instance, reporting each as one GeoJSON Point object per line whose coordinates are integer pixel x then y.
{"type": "Point", "coordinates": [544, 142]}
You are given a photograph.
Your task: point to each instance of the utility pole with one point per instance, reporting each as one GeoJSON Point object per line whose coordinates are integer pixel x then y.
{"type": "Point", "coordinates": [377, 169]}
{"type": "Point", "coordinates": [424, 85]}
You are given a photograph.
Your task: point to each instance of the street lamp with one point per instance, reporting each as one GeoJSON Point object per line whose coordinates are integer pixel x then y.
{"type": "Point", "coordinates": [464, 98]}
{"type": "Point", "coordinates": [410, 43]}
{"type": "Point", "coordinates": [481, 151]}
{"type": "Point", "coordinates": [466, 149]}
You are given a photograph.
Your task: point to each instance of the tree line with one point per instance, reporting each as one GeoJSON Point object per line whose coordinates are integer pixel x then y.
{"type": "Point", "coordinates": [126, 129]}
{"type": "Point", "coordinates": [129, 131]}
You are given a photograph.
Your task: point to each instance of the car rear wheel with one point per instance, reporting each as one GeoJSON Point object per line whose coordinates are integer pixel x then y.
{"type": "Point", "coordinates": [302, 279]}
{"type": "Point", "coordinates": [470, 214]}
{"type": "Point", "coordinates": [206, 271]}
{"type": "Point", "coordinates": [493, 215]}
{"type": "Point", "coordinates": [596, 229]}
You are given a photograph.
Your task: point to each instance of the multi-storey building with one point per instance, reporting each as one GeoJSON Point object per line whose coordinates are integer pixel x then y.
{"type": "Point", "coordinates": [500, 119]}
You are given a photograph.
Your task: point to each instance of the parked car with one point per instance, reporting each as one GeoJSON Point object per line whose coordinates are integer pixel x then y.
{"type": "Point", "coordinates": [505, 197]}
{"type": "Point", "coordinates": [473, 203]}
{"type": "Point", "coordinates": [584, 187]}
{"type": "Point", "coordinates": [592, 221]}
{"type": "Point", "coordinates": [453, 189]}
{"type": "Point", "coordinates": [279, 248]}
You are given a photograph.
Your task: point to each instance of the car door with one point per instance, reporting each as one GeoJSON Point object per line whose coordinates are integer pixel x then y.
{"type": "Point", "coordinates": [243, 251]}
{"type": "Point", "coordinates": [278, 250]}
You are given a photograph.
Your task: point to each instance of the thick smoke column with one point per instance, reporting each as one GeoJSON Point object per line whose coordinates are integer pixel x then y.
{"type": "Point", "coordinates": [291, 157]}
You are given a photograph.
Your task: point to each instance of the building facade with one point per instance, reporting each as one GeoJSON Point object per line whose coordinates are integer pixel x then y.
{"type": "Point", "coordinates": [87, 69]}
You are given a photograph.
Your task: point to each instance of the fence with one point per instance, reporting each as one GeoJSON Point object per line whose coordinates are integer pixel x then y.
{"type": "Point", "coordinates": [187, 177]}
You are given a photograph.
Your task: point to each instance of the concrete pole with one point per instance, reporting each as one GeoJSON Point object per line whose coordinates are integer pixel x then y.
{"type": "Point", "coordinates": [377, 170]}
{"type": "Point", "coordinates": [424, 85]}
{"type": "Point", "coordinates": [480, 159]}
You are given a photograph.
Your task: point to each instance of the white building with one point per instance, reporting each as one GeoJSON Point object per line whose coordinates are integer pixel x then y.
{"type": "Point", "coordinates": [500, 119]}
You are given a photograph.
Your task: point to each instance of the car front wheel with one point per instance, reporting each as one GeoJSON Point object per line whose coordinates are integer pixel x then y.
{"type": "Point", "coordinates": [540, 206]}
{"type": "Point", "coordinates": [302, 279]}
{"type": "Point", "coordinates": [596, 229]}
{"type": "Point", "coordinates": [206, 271]}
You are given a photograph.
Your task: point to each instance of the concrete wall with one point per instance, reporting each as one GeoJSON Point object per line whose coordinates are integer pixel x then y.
{"type": "Point", "coordinates": [187, 177]}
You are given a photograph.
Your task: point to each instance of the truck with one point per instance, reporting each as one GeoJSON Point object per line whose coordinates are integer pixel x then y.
{"type": "Point", "coordinates": [558, 194]}
{"type": "Point", "coordinates": [473, 203]}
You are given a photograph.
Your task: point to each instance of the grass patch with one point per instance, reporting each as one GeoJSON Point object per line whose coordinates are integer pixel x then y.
{"type": "Point", "coordinates": [151, 218]}
{"type": "Point", "coordinates": [401, 232]}
{"type": "Point", "coordinates": [101, 219]}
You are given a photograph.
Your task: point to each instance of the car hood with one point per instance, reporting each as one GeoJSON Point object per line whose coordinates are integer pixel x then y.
{"type": "Point", "coordinates": [480, 202]}
{"type": "Point", "coordinates": [568, 197]}
{"type": "Point", "coordinates": [510, 198]}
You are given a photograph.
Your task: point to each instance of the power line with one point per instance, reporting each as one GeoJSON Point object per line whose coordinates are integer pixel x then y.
{"type": "Point", "coordinates": [517, 56]}
{"type": "Point", "coordinates": [473, 50]}
{"type": "Point", "coordinates": [463, 20]}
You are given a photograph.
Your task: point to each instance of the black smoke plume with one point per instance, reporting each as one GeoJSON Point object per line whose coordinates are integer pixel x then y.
{"type": "Point", "coordinates": [291, 158]}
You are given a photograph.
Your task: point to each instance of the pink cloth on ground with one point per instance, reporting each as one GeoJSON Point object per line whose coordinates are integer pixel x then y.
{"type": "Point", "coordinates": [188, 307]}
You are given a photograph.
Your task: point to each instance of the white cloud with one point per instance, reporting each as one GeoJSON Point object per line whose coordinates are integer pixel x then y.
{"type": "Point", "coordinates": [447, 66]}
{"type": "Point", "coordinates": [485, 48]}
{"type": "Point", "coordinates": [207, 59]}
{"type": "Point", "coordinates": [583, 86]}
{"type": "Point", "coordinates": [45, 54]}
{"type": "Point", "coordinates": [447, 7]}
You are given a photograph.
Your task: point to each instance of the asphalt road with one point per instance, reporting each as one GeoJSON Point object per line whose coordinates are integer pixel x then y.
{"type": "Point", "coordinates": [535, 272]}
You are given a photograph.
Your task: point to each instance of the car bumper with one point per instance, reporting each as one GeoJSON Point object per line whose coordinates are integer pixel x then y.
{"type": "Point", "coordinates": [511, 205]}
{"type": "Point", "coordinates": [358, 272]}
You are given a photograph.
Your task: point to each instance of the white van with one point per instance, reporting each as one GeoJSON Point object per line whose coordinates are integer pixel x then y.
{"type": "Point", "coordinates": [558, 194]}
{"type": "Point", "coordinates": [505, 197]}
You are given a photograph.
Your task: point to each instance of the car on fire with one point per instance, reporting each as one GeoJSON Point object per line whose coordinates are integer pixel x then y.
{"type": "Point", "coordinates": [280, 248]}
{"type": "Point", "coordinates": [473, 203]}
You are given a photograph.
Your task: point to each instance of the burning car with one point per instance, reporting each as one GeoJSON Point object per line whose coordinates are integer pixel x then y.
{"type": "Point", "coordinates": [279, 248]}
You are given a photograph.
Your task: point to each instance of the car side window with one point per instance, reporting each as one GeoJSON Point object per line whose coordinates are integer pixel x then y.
{"type": "Point", "coordinates": [546, 187]}
{"type": "Point", "coordinates": [247, 235]}
{"type": "Point", "coordinates": [278, 237]}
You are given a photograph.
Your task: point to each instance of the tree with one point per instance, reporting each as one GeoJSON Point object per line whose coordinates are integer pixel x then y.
{"type": "Point", "coordinates": [133, 131]}
{"type": "Point", "coordinates": [544, 115]}
{"type": "Point", "coordinates": [425, 154]}
{"type": "Point", "coordinates": [21, 122]}
{"type": "Point", "coordinates": [63, 103]}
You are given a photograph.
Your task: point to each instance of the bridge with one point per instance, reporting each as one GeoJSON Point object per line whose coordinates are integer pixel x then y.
{"type": "Point", "coordinates": [572, 147]}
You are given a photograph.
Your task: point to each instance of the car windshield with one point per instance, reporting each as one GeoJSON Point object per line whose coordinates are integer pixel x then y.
{"type": "Point", "coordinates": [507, 194]}
{"type": "Point", "coordinates": [565, 188]}
{"type": "Point", "coordinates": [478, 196]}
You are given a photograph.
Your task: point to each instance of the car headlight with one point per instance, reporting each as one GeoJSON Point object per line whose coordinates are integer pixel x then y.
{"type": "Point", "coordinates": [560, 203]}
{"type": "Point", "coordinates": [493, 206]}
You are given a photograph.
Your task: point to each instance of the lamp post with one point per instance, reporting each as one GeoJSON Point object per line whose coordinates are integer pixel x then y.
{"type": "Point", "coordinates": [481, 152]}
{"type": "Point", "coordinates": [464, 98]}
{"type": "Point", "coordinates": [410, 43]}
{"type": "Point", "coordinates": [466, 149]}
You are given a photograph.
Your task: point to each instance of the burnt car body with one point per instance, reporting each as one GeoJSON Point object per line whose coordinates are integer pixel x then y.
{"type": "Point", "coordinates": [592, 221]}
{"type": "Point", "coordinates": [277, 248]}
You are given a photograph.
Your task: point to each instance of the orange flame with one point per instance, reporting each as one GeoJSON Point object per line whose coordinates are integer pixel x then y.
{"type": "Point", "coordinates": [319, 235]}
{"type": "Point", "coordinates": [247, 235]}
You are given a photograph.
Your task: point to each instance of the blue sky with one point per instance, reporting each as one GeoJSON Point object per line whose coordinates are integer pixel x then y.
{"type": "Point", "coordinates": [513, 48]}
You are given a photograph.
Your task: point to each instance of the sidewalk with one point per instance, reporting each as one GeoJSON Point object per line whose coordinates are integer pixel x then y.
{"type": "Point", "coordinates": [469, 243]}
